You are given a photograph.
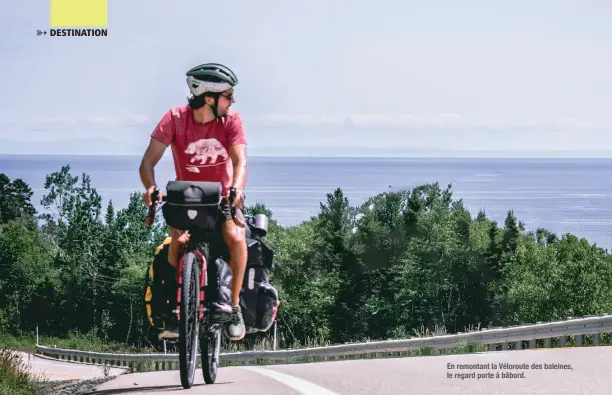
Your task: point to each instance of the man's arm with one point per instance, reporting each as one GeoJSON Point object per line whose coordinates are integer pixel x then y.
{"type": "Point", "coordinates": [151, 157]}
{"type": "Point", "coordinates": [162, 136]}
{"type": "Point", "coordinates": [239, 160]}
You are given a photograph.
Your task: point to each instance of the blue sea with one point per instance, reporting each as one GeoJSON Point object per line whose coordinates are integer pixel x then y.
{"type": "Point", "coordinates": [562, 195]}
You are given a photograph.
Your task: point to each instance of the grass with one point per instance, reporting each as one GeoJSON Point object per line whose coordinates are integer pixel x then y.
{"type": "Point", "coordinates": [15, 378]}
{"type": "Point", "coordinates": [75, 341]}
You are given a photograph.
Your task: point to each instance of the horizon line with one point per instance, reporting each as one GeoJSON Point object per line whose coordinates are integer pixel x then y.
{"type": "Point", "coordinates": [453, 155]}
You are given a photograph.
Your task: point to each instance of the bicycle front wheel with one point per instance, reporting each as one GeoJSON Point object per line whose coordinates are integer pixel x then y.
{"type": "Point", "coordinates": [211, 347]}
{"type": "Point", "coordinates": [188, 319]}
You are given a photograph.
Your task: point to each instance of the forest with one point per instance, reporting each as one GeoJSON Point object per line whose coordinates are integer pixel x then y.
{"type": "Point", "coordinates": [401, 262]}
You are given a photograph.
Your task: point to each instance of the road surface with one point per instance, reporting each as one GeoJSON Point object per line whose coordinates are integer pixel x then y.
{"type": "Point", "coordinates": [588, 371]}
{"type": "Point", "coordinates": [55, 370]}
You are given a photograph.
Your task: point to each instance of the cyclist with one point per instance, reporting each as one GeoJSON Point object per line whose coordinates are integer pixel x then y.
{"type": "Point", "coordinates": [208, 143]}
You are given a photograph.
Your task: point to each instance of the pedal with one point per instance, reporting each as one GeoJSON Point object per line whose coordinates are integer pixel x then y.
{"type": "Point", "coordinates": [220, 317]}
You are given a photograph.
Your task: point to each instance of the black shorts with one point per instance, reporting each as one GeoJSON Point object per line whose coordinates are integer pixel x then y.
{"type": "Point", "coordinates": [224, 214]}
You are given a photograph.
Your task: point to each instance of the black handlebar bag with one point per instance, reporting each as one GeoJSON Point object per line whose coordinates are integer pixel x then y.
{"type": "Point", "coordinates": [192, 205]}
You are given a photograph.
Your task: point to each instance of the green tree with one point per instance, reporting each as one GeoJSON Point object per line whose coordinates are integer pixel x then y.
{"type": "Point", "coordinates": [15, 201]}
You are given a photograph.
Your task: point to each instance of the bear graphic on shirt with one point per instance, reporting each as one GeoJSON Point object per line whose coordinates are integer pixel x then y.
{"type": "Point", "coordinates": [203, 150]}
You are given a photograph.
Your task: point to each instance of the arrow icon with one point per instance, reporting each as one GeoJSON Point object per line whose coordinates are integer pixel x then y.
{"type": "Point", "coordinates": [39, 32]}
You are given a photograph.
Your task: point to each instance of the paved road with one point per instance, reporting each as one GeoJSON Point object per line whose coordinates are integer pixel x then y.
{"type": "Point", "coordinates": [62, 370]}
{"type": "Point", "coordinates": [590, 372]}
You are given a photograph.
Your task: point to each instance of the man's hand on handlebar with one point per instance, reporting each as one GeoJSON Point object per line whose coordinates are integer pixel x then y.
{"type": "Point", "coordinates": [236, 198]}
{"type": "Point", "coordinates": [236, 202]}
{"type": "Point", "coordinates": [148, 196]}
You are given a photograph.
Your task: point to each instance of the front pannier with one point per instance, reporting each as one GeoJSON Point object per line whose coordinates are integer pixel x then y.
{"type": "Point", "coordinates": [192, 204]}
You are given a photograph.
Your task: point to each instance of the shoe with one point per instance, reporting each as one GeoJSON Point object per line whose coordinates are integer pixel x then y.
{"type": "Point", "coordinates": [236, 330]}
{"type": "Point", "coordinates": [170, 332]}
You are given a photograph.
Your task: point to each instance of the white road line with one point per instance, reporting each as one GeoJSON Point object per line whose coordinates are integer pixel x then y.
{"type": "Point", "coordinates": [302, 386]}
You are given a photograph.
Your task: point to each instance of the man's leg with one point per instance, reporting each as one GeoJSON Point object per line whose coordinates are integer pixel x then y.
{"type": "Point", "coordinates": [179, 239]}
{"type": "Point", "coordinates": [234, 238]}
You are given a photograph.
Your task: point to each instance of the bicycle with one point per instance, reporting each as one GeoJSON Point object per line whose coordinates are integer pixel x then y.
{"type": "Point", "coordinates": [194, 206]}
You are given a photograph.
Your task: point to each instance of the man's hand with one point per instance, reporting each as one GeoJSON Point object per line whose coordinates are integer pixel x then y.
{"type": "Point", "coordinates": [237, 206]}
{"type": "Point", "coordinates": [238, 199]}
{"type": "Point", "coordinates": [147, 196]}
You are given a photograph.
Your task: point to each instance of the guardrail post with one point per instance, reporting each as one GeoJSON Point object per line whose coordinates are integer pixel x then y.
{"type": "Point", "coordinates": [547, 342]}
{"type": "Point", "coordinates": [532, 343]}
{"type": "Point", "coordinates": [562, 341]}
{"type": "Point", "coordinates": [579, 340]}
{"type": "Point", "coordinates": [596, 339]}
{"type": "Point", "coordinates": [518, 345]}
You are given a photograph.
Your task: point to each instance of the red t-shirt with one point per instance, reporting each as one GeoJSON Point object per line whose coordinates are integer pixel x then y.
{"type": "Point", "coordinates": [201, 152]}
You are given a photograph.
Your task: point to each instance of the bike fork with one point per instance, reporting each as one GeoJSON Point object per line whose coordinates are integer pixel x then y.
{"type": "Point", "coordinates": [177, 310]}
{"type": "Point", "coordinates": [203, 281]}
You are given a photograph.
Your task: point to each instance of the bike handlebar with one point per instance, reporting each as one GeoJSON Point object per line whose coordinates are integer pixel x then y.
{"type": "Point", "coordinates": [237, 216]}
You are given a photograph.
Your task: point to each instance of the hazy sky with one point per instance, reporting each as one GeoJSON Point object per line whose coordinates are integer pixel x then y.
{"type": "Point", "coordinates": [319, 77]}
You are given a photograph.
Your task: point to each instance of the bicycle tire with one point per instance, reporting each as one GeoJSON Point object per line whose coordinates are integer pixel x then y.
{"type": "Point", "coordinates": [188, 319]}
{"type": "Point", "coordinates": [210, 363]}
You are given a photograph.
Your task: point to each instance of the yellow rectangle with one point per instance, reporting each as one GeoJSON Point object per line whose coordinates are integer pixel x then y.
{"type": "Point", "coordinates": [79, 13]}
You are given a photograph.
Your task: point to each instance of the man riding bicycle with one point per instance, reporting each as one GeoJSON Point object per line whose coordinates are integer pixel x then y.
{"type": "Point", "coordinates": [208, 144]}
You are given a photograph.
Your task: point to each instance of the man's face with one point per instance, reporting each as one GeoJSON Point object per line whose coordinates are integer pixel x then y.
{"type": "Point", "coordinates": [226, 98]}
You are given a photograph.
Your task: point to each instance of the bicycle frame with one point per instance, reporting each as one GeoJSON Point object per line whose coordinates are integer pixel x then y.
{"type": "Point", "coordinates": [197, 242]}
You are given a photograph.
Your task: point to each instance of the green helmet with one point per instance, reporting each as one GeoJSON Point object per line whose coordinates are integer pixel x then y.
{"type": "Point", "coordinates": [210, 77]}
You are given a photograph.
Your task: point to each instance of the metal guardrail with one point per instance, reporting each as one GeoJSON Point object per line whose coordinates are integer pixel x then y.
{"type": "Point", "coordinates": [494, 338]}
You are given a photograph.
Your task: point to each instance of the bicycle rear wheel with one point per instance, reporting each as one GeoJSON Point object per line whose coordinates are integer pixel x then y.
{"type": "Point", "coordinates": [188, 318]}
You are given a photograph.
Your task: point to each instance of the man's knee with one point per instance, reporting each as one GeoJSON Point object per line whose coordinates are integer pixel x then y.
{"type": "Point", "coordinates": [179, 238]}
{"type": "Point", "coordinates": [233, 235]}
